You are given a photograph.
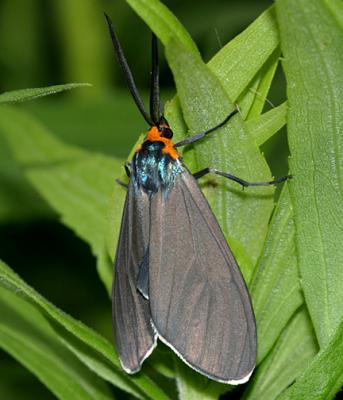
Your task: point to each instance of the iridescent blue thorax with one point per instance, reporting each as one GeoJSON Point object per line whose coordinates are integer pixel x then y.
{"type": "Point", "coordinates": [153, 169]}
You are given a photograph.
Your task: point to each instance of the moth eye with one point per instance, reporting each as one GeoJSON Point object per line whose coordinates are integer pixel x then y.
{"type": "Point", "coordinates": [167, 133]}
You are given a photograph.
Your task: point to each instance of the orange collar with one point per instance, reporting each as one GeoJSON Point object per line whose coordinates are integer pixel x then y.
{"type": "Point", "coordinates": [153, 135]}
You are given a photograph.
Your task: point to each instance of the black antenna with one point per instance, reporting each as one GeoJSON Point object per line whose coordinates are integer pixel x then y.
{"type": "Point", "coordinates": [127, 72]}
{"type": "Point", "coordinates": [154, 83]}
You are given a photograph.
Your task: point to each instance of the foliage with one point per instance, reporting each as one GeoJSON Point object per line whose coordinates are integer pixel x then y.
{"type": "Point", "coordinates": [290, 253]}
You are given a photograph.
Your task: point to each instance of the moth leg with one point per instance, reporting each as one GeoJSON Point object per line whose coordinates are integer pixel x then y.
{"type": "Point", "coordinates": [121, 183]}
{"type": "Point", "coordinates": [200, 135]}
{"type": "Point", "coordinates": [127, 167]}
{"type": "Point", "coordinates": [234, 178]}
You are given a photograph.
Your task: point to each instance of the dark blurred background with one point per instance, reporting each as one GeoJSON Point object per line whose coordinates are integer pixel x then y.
{"type": "Point", "coordinates": [46, 42]}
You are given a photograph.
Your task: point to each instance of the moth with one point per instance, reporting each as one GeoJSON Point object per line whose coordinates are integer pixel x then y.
{"type": "Point", "coordinates": [176, 278]}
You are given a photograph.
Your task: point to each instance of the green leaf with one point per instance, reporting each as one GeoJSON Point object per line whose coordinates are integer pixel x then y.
{"type": "Point", "coordinates": [78, 184]}
{"type": "Point", "coordinates": [275, 289]}
{"type": "Point", "coordinates": [17, 96]}
{"type": "Point", "coordinates": [28, 337]}
{"type": "Point", "coordinates": [252, 100]}
{"type": "Point", "coordinates": [193, 386]}
{"type": "Point", "coordinates": [266, 125]}
{"type": "Point", "coordinates": [290, 356]}
{"type": "Point", "coordinates": [163, 22]}
{"type": "Point", "coordinates": [311, 40]}
{"type": "Point", "coordinates": [173, 113]}
{"type": "Point", "coordinates": [242, 215]}
{"type": "Point", "coordinates": [158, 361]}
{"type": "Point", "coordinates": [89, 347]}
{"type": "Point", "coordinates": [324, 376]}
{"type": "Point", "coordinates": [260, 93]}
{"type": "Point", "coordinates": [239, 61]}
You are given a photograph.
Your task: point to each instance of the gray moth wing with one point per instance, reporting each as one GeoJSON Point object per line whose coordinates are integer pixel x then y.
{"type": "Point", "coordinates": [134, 335]}
{"type": "Point", "coordinates": [199, 302]}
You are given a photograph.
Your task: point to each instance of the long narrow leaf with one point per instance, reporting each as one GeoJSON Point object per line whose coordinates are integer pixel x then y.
{"type": "Point", "coordinates": [252, 100]}
{"type": "Point", "coordinates": [275, 289]}
{"type": "Point", "coordinates": [193, 386]}
{"type": "Point", "coordinates": [324, 376]}
{"type": "Point", "coordinates": [266, 73]}
{"type": "Point", "coordinates": [27, 336]}
{"type": "Point", "coordinates": [162, 21]}
{"type": "Point", "coordinates": [266, 125]}
{"type": "Point", "coordinates": [17, 96]}
{"type": "Point", "coordinates": [290, 356]}
{"type": "Point", "coordinates": [242, 58]}
{"type": "Point", "coordinates": [311, 40]}
{"type": "Point", "coordinates": [91, 348]}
